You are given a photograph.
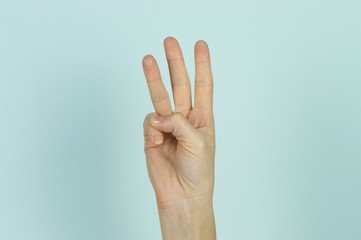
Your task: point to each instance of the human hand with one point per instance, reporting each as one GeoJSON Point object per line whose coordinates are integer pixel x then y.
{"type": "Point", "coordinates": [180, 145]}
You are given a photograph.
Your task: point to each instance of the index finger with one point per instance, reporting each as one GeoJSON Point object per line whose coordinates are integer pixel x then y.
{"type": "Point", "coordinates": [158, 92]}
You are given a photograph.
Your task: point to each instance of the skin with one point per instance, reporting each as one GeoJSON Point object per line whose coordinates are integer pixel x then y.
{"type": "Point", "coordinates": [180, 144]}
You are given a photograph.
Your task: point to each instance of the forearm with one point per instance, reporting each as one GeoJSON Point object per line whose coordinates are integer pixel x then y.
{"type": "Point", "coordinates": [187, 220]}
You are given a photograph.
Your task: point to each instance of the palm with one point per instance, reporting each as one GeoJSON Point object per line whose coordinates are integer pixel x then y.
{"type": "Point", "coordinates": [176, 168]}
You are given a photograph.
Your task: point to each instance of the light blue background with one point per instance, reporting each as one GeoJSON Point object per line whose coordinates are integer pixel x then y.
{"type": "Point", "coordinates": [287, 108]}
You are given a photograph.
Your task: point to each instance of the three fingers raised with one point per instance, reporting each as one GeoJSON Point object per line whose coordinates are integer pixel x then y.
{"type": "Point", "coordinates": [203, 92]}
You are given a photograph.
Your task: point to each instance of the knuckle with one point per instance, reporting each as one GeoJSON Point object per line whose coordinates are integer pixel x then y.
{"type": "Point", "coordinates": [147, 118]}
{"type": "Point", "coordinates": [149, 115]}
{"type": "Point", "coordinates": [177, 116]}
{"type": "Point", "coordinates": [179, 82]}
{"type": "Point", "coordinates": [164, 98]}
{"type": "Point", "coordinates": [201, 144]}
{"type": "Point", "coordinates": [204, 82]}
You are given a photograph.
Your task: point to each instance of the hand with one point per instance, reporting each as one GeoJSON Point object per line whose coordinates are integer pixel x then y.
{"type": "Point", "coordinates": [180, 145]}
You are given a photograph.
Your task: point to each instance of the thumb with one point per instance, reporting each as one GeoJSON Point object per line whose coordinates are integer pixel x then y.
{"type": "Point", "coordinates": [176, 124]}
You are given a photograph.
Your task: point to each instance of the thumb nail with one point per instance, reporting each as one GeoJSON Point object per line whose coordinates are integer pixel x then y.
{"type": "Point", "coordinates": [157, 119]}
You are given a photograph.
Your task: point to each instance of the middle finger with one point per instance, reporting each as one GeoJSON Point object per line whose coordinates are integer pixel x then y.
{"type": "Point", "coordinates": [179, 77]}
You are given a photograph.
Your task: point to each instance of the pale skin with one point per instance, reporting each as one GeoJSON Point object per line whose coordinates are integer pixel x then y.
{"type": "Point", "coordinates": [180, 144]}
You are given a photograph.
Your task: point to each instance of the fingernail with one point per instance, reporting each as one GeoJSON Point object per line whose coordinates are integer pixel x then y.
{"type": "Point", "coordinates": [157, 139]}
{"type": "Point", "coordinates": [157, 119]}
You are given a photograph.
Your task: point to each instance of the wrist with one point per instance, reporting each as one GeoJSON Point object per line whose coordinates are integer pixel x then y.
{"type": "Point", "coordinates": [191, 219]}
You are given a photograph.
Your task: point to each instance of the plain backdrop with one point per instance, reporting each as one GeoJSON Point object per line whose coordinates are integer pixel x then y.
{"type": "Point", "coordinates": [287, 100]}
